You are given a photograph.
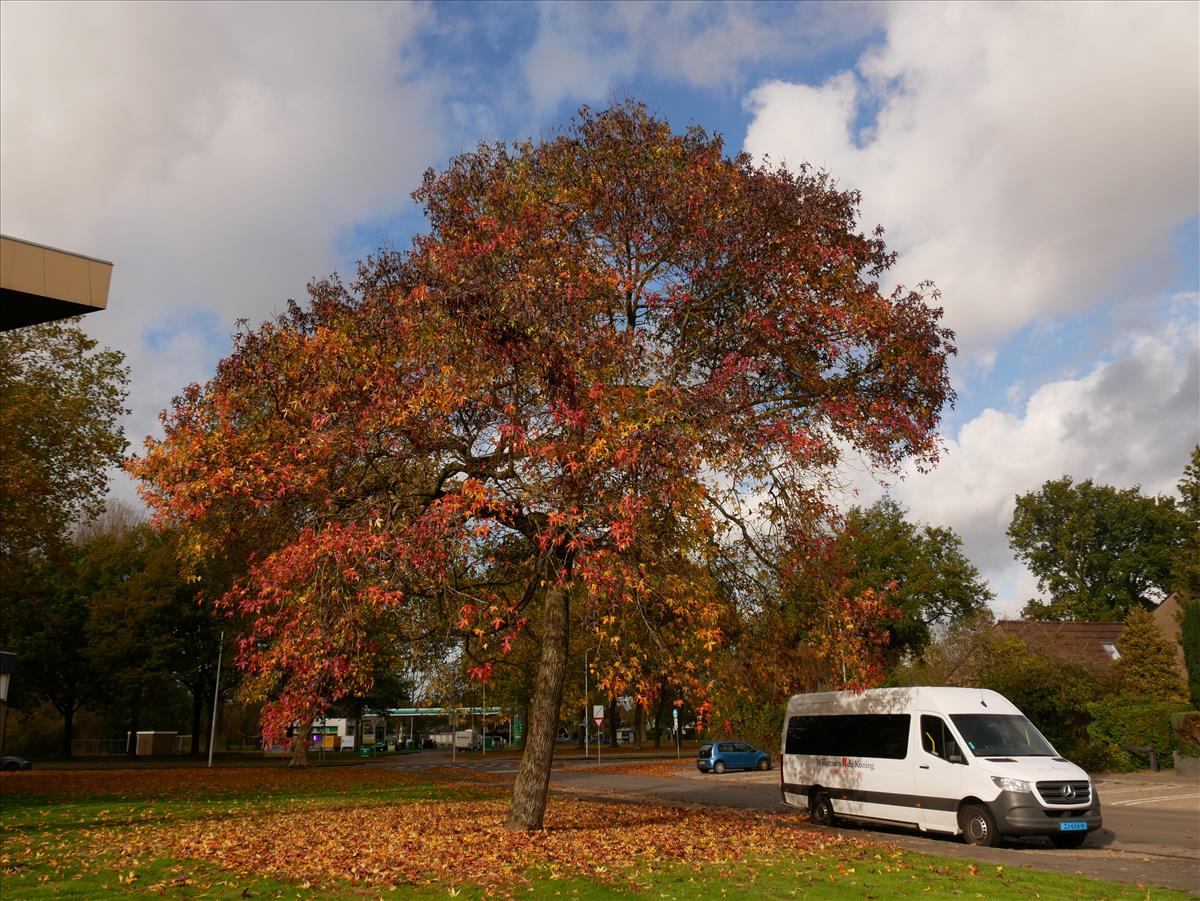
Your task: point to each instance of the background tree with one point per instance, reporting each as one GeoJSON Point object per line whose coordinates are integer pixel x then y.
{"type": "Point", "coordinates": [613, 341]}
{"type": "Point", "coordinates": [926, 576]}
{"type": "Point", "coordinates": [1148, 666]}
{"type": "Point", "coordinates": [48, 631]}
{"type": "Point", "coordinates": [1187, 574]}
{"type": "Point", "coordinates": [1097, 552]}
{"type": "Point", "coordinates": [955, 655]}
{"type": "Point", "coordinates": [1189, 637]}
{"type": "Point", "coordinates": [60, 402]}
{"type": "Point", "coordinates": [803, 627]}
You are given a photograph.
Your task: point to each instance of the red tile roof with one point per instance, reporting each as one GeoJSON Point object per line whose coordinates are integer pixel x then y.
{"type": "Point", "coordinates": [1082, 643]}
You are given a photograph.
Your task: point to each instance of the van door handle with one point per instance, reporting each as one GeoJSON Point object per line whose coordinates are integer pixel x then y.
{"type": "Point", "coordinates": [924, 766]}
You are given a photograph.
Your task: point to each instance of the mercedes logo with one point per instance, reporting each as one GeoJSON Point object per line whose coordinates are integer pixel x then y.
{"type": "Point", "coordinates": [1069, 792]}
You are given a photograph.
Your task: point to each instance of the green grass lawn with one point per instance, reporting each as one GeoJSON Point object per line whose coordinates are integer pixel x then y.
{"type": "Point", "coordinates": [355, 833]}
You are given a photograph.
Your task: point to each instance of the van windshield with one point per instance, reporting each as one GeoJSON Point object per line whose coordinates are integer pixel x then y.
{"type": "Point", "coordinates": [992, 735]}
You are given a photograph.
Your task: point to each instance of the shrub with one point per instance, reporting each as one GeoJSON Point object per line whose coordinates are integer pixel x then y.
{"type": "Point", "coordinates": [1052, 693]}
{"type": "Point", "coordinates": [1123, 720]}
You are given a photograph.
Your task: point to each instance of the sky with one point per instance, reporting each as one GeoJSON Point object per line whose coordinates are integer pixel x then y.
{"type": "Point", "coordinates": [1040, 163]}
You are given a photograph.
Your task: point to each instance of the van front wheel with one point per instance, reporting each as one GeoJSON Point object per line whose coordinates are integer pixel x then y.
{"type": "Point", "coordinates": [977, 825]}
{"type": "Point", "coordinates": [821, 810]}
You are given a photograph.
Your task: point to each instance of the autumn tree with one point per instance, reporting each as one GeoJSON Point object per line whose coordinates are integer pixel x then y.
{"type": "Point", "coordinates": [1097, 551]}
{"type": "Point", "coordinates": [616, 356]}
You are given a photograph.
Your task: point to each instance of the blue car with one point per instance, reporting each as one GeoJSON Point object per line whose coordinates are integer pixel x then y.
{"type": "Point", "coordinates": [719, 756]}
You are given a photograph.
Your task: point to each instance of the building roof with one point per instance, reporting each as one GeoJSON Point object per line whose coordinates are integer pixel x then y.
{"type": "Point", "coordinates": [1092, 645]}
{"type": "Point", "coordinates": [40, 283]}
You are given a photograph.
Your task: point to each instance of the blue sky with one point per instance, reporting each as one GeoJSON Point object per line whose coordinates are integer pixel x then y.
{"type": "Point", "coordinates": [1039, 162]}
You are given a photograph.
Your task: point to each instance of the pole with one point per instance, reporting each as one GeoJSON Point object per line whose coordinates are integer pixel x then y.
{"type": "Point", "coordinates": [586, 731]}
{"type": "Point", "coordinates": [212, 734]}
{"type": "Point", "coordinates": [678, 733]}
{"type": "Point", "coordinates": [483, 719]}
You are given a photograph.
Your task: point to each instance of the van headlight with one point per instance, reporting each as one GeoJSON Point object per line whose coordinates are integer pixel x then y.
{"type": "Point", "coordinates": [1009, 784]}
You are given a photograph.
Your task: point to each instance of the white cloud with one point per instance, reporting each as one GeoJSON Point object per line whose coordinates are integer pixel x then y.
{"type": "Point", "coordinates": [1132, 420]}
{"type": "Point", "coordinates": [582, 52]}
{"type": "Point", "coordinates": [213, 152]}
{"type": "Point", "coordinates": [216, 153]}
{"type": "Point", "coordinates": [1031, 159]}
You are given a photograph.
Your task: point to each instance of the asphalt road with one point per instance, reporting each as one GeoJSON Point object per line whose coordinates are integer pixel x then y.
{"type": "Point", "coordinates": [1151, 833]}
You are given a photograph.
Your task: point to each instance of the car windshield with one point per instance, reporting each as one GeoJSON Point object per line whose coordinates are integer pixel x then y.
{"type": "Point", "coordinates": [992, 735]}
{"type": "Point", "coordinates": [704, 751]}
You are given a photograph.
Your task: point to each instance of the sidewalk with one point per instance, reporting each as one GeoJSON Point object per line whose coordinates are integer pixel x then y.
{"type": "Point", "coordinates": [1146, 777]}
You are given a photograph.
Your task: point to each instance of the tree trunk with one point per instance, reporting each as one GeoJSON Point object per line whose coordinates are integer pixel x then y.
{"type": "Point", "coordinates": [300, 739]}
{"type": "Point", "coordinates": [68, 715]}
{"type": "Point", "coordinates": [639, 726]}
{"type": "Point", "coordinates": [533, 779]}
{"type": "Point", "coordinates": [663, 703]}
{"type": "Point", "coordinates": [612, 713]}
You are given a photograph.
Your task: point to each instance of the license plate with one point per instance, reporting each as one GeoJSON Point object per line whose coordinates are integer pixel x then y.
{"type": "Point", "coordinates": [1077, 826]}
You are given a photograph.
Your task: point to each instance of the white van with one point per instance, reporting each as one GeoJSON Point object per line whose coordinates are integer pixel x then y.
{"type": "Point", "coordinates": [956, 760]}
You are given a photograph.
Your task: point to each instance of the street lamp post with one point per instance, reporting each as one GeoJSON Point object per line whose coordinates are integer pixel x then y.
{"type": "Point", "coordinates": [212, 732]}
{"type": "Point", "coordinates": [586, 733]}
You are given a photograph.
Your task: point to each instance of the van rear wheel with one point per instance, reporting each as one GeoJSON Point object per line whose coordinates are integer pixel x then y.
{"type": "Point", "coordinates": [821, 810]}
{"type": "Point", "coordinates": [977, 825]}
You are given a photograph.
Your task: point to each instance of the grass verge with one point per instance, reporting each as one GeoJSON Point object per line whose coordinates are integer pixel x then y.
{"type": "Point", "coordinates": [355, 833]}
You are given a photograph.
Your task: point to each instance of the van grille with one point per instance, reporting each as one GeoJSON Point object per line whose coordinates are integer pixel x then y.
{"type": "Point", "coordinates": [1065, 792]}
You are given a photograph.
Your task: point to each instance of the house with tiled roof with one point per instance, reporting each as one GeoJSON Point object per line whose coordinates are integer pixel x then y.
{"type": "Point", "coordinates": [1095, 646]}
{"type": "Point", "coordinates": [1090, 645]}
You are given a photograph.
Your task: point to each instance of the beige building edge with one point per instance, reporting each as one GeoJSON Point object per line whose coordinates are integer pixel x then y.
{"type": "Point", "coordinates": [39, 283]}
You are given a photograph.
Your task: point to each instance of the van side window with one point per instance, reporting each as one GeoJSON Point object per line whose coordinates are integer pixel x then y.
{"type": "Point", "coordinates": [939, 741]}
{"type": "Point", "coordinates": [877, 735]}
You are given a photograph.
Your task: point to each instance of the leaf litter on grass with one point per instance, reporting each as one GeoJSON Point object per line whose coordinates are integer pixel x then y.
{"type": "Point", "coordinates": [466, 842]}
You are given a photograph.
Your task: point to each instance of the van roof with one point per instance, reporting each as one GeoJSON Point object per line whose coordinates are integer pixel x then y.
{"type": "Point", "coordinates": [941, 699]}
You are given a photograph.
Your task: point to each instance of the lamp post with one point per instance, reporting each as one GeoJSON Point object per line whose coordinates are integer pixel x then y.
{"type": "Point", "coordinates": [212, 734]}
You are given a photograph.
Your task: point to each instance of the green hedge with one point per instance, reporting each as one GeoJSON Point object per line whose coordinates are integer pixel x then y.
{"type": "Point", "coordinates": [1186, 725]}
{"type": "Point", "coordinates": [1120, 720]}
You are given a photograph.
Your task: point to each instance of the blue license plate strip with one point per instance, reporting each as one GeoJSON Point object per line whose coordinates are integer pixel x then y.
{"type": "Point", "coordinates": [1072, 826]}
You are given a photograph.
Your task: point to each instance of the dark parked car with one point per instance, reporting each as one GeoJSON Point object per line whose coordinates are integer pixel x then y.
{"type": "Point", "coordinates": [11, 764]}
{"type": "Point", "coordinates": [719, 756]}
